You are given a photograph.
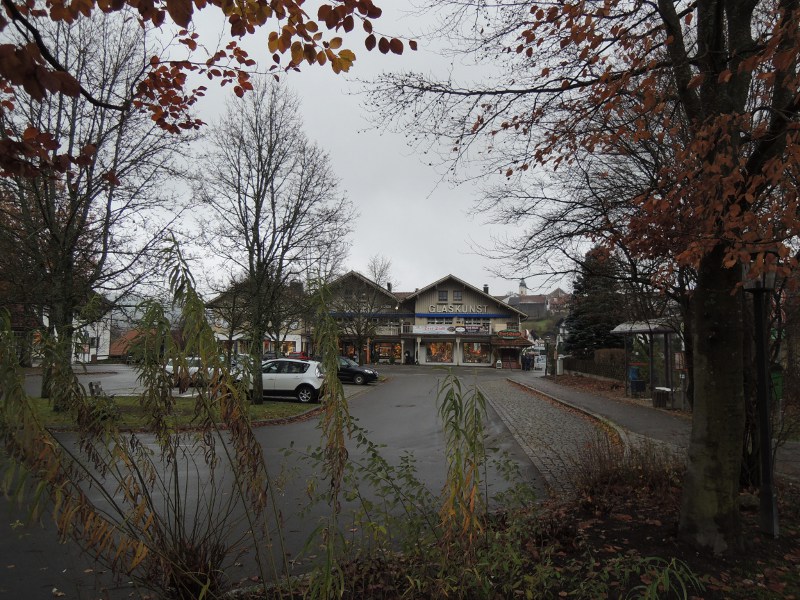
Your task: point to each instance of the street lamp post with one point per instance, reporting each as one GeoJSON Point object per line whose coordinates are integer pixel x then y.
{"type": "Point", "coordinates": [761, 287]}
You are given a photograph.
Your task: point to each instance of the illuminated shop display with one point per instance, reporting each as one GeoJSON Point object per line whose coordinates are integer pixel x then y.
{"type": "Point", "coordinates": [440, 352]}
{"type": "Point", "coordinates": [387, 351]}
{"type": "Point", "coordinates": [476, 352]}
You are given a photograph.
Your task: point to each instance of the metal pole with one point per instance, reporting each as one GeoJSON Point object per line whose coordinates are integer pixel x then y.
{"type": "Point", "coordinates": [546, 356]}
{"type": "Point", "coordinates": [768, 510]}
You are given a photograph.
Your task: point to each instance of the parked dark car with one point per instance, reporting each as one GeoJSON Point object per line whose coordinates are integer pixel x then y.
{"type": "Point", "coordinates": [350, 370]}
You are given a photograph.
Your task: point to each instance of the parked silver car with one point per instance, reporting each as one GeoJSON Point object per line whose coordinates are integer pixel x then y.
{"type": "Point", "coordinates": [187, 376]}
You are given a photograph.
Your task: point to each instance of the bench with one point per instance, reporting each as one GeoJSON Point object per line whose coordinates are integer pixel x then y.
{"type": "Point", "coordinates": [102, 403]}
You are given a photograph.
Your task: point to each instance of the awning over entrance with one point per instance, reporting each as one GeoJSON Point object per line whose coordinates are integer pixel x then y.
{"type": "Point", "coordinates": [503, 342]}
{"type": "Point", "coordinates": [636, 327]}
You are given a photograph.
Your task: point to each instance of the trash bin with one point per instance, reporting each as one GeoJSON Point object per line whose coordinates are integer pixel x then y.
{"type": "Point", "coordinates": [661, 397]}
{"type": "Point", "coordinates": [560, 365]}
{"type": "Point", "coordinates": [498, 364]}
{"type": "Point", "coordinates": [637, 387]}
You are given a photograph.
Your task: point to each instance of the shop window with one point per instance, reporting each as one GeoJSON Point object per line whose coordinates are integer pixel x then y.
{"type": "Point", "coordinates": [440, 320]}
{"type": "Point", "coordinates": [387, 352]}
{"type": "Point", "coordinates": [477, 353]}
{"type": "Point", "coordinates": [477, 325]}
{"type": "Point", "coordinates": [442, 295]}
{"type": "Point", "coordinates": [440, 352]}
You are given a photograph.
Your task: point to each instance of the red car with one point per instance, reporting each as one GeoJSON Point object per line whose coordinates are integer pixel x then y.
{"type": "Point", "coordinates": [297, 355]}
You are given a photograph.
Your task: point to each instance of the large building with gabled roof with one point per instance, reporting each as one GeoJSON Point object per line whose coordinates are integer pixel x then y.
{"type": "Point", "coordinates": [447, 323]}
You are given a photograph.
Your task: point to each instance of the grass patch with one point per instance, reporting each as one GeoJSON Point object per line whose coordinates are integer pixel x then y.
{"type": "Point", "coordinates": [131, 414]}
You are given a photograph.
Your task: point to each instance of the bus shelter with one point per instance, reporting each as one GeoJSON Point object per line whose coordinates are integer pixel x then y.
{"type": "Point", "coordinates": [638, 384]}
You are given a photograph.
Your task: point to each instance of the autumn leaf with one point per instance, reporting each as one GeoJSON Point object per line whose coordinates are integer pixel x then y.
{"type": "Point", "coordinates": [180, 11]}
{"type": "Point", "coordinates": [348, 23]}
{"type": "Point", "coordinates": [622, 517]}
{"type": "Point", "coordinates": [696, 81]}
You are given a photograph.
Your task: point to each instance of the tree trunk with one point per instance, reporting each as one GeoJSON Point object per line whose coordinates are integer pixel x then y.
{"type": "Point", "coordinates": [709, 509]}
{"type": "Point", "coordinates": [256, 357]}
{"type": "Point", "coordinates": [59, 362]}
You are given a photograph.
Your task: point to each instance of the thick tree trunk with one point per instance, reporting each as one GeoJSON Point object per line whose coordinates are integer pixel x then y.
{"type": "Point", "coordinates": [59, 363]}
{"type": "Point", "coordinates": [256, 357]}
{"type": "Point", "coordinates": [709, 510]}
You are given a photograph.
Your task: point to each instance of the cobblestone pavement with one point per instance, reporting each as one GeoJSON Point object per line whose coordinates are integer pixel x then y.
{"type": "Point", "coordinates": [643, 424]}
{"type": "Point", "coordinates": [551, 435]}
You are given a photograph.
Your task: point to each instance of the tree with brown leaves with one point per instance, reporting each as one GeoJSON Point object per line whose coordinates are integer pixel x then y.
{"type": "Point", "coordinates": [716, 81]}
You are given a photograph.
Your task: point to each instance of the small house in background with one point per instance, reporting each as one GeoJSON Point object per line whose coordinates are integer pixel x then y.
{"type": "Point", "coordinates": [558, 302]}
{"type": "Point", "coordinates": [93, 341]}
{"type": "Point", "coordinates": [538, 306]}
{"type": "Point", "coordinates": [120, 345]}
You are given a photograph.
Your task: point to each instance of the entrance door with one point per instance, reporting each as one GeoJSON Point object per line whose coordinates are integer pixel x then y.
{"type": "Point", "coordinates": [510, 358]}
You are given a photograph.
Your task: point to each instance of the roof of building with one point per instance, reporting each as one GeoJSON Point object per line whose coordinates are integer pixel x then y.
{"type": "Point", "coordinates": [119, 346]}
{"type": "Point", "coordinates": [647, 326]}
{"type": "Point", "coordinates": [529, 299]}
{"type": "Point", "coordinates": [366, 280]}
{"type": "Point", "coordinates": [466, 285]}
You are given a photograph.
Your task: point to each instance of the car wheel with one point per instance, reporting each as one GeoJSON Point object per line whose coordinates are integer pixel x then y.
{"type": "Point", "coordinates": [305, 394]}
{"type": "Point", "coordinates": [358, 379]}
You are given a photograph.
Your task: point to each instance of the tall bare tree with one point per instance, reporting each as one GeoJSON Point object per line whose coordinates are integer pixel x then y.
{"type": "Point", "coordinates": [362, 304]}
{"type": "Point", "coordinates": [87, 224]}
{"type": "Point", "coordinates": [275, 203]}
{"type": "Point", "coordinates": [379, 269]}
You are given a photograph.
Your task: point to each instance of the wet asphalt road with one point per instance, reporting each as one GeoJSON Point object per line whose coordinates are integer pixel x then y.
{"type": "Point", "coordinates": [399, 413]}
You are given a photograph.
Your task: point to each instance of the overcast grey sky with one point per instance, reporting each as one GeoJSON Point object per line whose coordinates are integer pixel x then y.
{"type": "Point", "coordinates": [406, 211]}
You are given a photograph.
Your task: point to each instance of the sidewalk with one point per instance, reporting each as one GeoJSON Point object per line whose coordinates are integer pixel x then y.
{"type": "Point", "coordinates": [635, 420]}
